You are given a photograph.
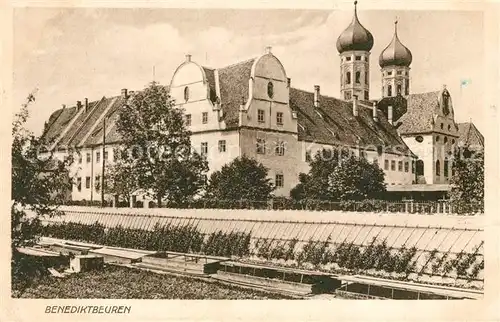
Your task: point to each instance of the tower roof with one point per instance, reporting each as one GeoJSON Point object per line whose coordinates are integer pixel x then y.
{"type": "Point", "coordinates": [395, 54]}
{"type": "Point", "coordinates": [355, 36]}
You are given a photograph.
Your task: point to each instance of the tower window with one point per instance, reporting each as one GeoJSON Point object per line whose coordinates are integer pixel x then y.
{"type": "Point", "coordinates": [347, 96]}
{"type": "Point", "coordinates": [348, 78]}
{"type": "Point", "coordinates": [358, 77]}
{"type": "Point", "coordinates": [445, 139]}
{"type": "Point", "coordinates": [419, 168]}
{"type": "Point", "coordinates": [348, 58]}
{"type": "Point", "coordinates": [367, 96]}
{"type": "Point", "coordinates": [366, 78]}
{"type": "Point", "coordinates": [399, 72]}
{"type": "Point", "coordinates": [389, 73]}
{"type": "Point", "coordinates": [407, 86]}
{"type": "Point", "coordinates": [442, 126]}
{"type": "Point", "coordinates": [446, 172]}
{"type": "Point", "coordinates": [389, 90]}
{"type": "Point", "coordinates": [449, 127]}
{"type": "Point", "coordinates": [437, 138]}
{"type": "Point", "coordinates": [438, 168]}
{"type": "Point", "coordinates": [358, 57]}
{"type": "Point", "coordinates": [399, 89]}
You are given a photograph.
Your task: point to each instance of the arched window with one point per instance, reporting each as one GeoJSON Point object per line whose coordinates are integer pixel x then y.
{"type": "Point", "coordinates": [419, 168]}
{"type": "Point", "coordinates": [389, 90]}
{"type": "Point", "coordinates": [446, 167]}
{"type": "Point", "coordinates": [399, 89]}
{"type": "Point", "coordinates": [407, 87]}
{"type": "Point", "coordinates": [186, 93]}
{"type": "Point", "coordinates": [446, 102]}
{"type": "Point", "coordinates": [366, 78]}
{"type": "Point", "coordinates": [348, 78]}
{"type": "Point", "coordinates": [358, 77]}
{"type": "Point", "coordinates": [438, 168]}
{"type": "Point", "coordinates": [270, 89]}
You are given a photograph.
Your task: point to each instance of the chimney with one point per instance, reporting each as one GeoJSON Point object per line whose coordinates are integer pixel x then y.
{"type": "Point", "coordinates": [355, 106]}
{"type": "Point", "coordinates": [288, 82]}
{"type": "Point", "coordinates": [374, 112]}
{"type": "Point", "coordinates": [64, 106]}
{"type": "Point", "coordinates": [316, 95]}
{"type": "Point", "coordinates": [389, 114]}
{"type": "Point", "coordinates": [86, 104]}
{"type": "Point", "coordinates": [124, 92]}
{"type": "Point", "coordinates": [78, 105]}
{"type": "Point", "coordinates": [268, 49]}
{"type": "Point", "coordinates": [188, 58]}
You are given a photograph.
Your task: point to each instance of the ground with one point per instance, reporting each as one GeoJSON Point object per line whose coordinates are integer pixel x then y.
{"type": "Point", "coordinates": [115, 282]}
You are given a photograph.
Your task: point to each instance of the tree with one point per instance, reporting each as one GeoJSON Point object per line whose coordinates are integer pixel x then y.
{"type": "Point", "coordinates": [467, 182]}
{"type": "Point", "coordinates": [40, 182]}
{"type": "Point", "coordinates": [243, 178]}
{"type": "Point", "coordinates": [158, 147]}
{"type": "Point", "coordinates": [356, 179]}
{"type": "Point", "coordinates": [119, 180]}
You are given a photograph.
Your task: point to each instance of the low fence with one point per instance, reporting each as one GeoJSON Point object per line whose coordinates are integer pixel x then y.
{"type": "Point", "coordinates": [439, 248]}
{"type": "Point", "coordinates": [408, 206]}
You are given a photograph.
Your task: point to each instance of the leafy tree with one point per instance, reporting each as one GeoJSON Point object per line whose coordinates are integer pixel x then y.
{"type": "Point", "coordinates": [158, 147]}
{"type": "Point", "coordinates": [467, 192]}
{"type": "Point", "coordinates": [243, 178]}
{"type": "Point", "coordinates": [356, 179]}
{"type": "Point", "coordinates": [314, 185]}
{"type": "Point", "coordinates": [40, 182]}
{"type": "Point", "coordinates": [119, 180]}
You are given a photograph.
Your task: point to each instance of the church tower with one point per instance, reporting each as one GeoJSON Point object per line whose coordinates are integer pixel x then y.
{"type": "Point", "coordinates": [354, 45]}
{"type": "Point", "coordinates": [395, 61]}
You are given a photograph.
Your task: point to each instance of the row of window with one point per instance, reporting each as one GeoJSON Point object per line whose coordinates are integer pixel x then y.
{"type": "Point", "coordinates": [399, 72]}
{"type": "Point", "coordinates": [357, 78]}
{"type": "Point", "coordinates": [399, 88]}
{"type": "Point", "coordinates": [348, 95]}
{"type": "Point", "coordinates": [401, 164]}
{"type": "Point", "coordinates": [261, 118]}
{"type": "Point", "coordinates": [358, 58]}
{"type": "Point", "coordinates": [279, 148]}
{"type": "Point", "coordinates": [97, 157]}
{"type": "Point", "coordinates": [446, 168]}
{"type": "Point", "coordinates": [445, 140]}
{"type": "Point", "coordinates": [204, 118]}
{"type": "Point", "coordinates": [87, 183]}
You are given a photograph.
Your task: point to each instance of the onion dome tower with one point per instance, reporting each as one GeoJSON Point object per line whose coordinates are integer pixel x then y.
{"type": "Point", "coordinates": [395, 61]}
{"type": "Point", "coordinates": [354, 45]}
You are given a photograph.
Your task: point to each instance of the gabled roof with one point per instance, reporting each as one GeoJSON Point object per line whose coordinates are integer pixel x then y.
{"type": "Point", "coordinates": [470, 135]}
{"type": "Point", "coordinates": [57, 122]}
{"type": "Point", "coordinates": [334, 123]}
{"type": "Point", "coordinates": [233, 84]}
{"type": "Point", "coordinates": [419, 116]}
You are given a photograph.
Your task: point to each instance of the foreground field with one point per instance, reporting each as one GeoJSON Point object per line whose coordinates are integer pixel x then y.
{"type": "Point", "coordinates": [116, 282]}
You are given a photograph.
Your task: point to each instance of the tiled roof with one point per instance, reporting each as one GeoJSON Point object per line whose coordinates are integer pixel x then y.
{"type": "Point", "coordinates": [333, 123]}
{"type": "Point", "coordinates": [233, 83]}
{"type": "Point", "coordinates": [399, 106]}
{"type": "Point", "coordinates": [470, 135]}
{"type": "Point", "coordinates": [419, 116]}
{"type": "Point", "coordinates": [57, 122]}
{"type": "Point", "coordinates": [73, 131]}
{"type": "Point", "coordinates": [112, 136]}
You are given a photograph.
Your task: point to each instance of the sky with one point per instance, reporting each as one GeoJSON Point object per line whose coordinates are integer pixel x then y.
{"type": "Point", "coordinates": [68, 54]}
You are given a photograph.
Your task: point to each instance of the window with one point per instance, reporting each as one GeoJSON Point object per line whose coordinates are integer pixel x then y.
{"type": "Point", "coordinates": [261, 146]}
{"type": "Point", "coordinates": [97, 183]}
{"type": "Point", "coordinates": [419, 139]}
{"type": "Point", "coordinates": [186, 93]}
{"type": "Point", "coordinates": [412, 166]}
{"type": "Point", "coordinates": [280, 148]}
{"type": "Point", "coordinates": [308, 155]}
{"type": "Point", "coordinates": [279, 118]}
{"type": "Point", "coordinates": [270, 89]}
{"type": "Point", "coordinates": [419, 168]}
{"type": "Point", "coordinates": [437, 138]}
{"type": "Point", "coordinates": [348, 78]}
{"type": "Point", "coordinates": [348, 58]}
{"type": "Point", "coordinates": [393, 165]}
{"type": "Point", "coordinates": [97, 157]}
{"type": "Point", "coordinates": [386, 164]}
{"type": "Point", "coordinates": [279, 180]}
{"type": "Point", "coordinates": [446, 102]}
{"type": "Point", "coordinates": [452, 166]}
{"type": "Point", "coordinates": [398, 88]}
{"type": "Point", "coordinates": [79, 184]}
{"type": "Point", "coordinates": [347, 96]}
{"type": "Point", "coordinates": [106, 155]}
{"type": "Point", "coordinates": [453, 141]}
{"type": "Point", "coordinates": [80, 158]}
{"type": "Point", "coordinates": [445, 139]}
{"type": "Point", "coordinates": [407, 166]}
{"type": "Point", "coordinates": [445, 168]}
{"type": "Point", "coordinates": [438, 168]}
{"type": "Point", "coordinates": [204, 117]}
{"type": "Point", "coordinates": [87, 182]}
{"type": "Point", "coordinates": [358, 77]}
{"type": "Point", "coordinates": [442, 126]}
{"type": "Point", "coordinates": [366, 78]}
{"type": "Point", "coordinates": [260, 116]}
{"type": "Point", "coordinates": [358, 57]}
{"type": "Point", "coordinates": [399, 72]}
{"type": "Point", "coordinates": [449, 127]}
{"type": "Point", "coordinates": [367, 96]}
{"type": "Point", "coordinates": [389, 90]}
{"type": "Point", "coordinates": [204, 148]}
{"type": "Point", "coordinates": [400, 166]}
{"type": "Point", "coordinates": [188, 119]}
{"type": "Point", "coordinates": [88, 157]}
{"type": "Point", "coordinates": [222, 145]}
{"type": "Point", "coordinates": [407, 86]}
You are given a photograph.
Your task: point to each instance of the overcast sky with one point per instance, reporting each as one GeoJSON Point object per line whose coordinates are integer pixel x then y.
{"type": "Point", "coordinates": [70, 54]}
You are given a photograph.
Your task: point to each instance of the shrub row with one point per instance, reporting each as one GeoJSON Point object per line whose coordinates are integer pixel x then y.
{"type": "Point", "coordinates": [188, 239]}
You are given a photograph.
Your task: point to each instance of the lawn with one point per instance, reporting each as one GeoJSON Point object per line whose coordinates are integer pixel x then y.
{"type": "Point", "coordinates": [116, 282]}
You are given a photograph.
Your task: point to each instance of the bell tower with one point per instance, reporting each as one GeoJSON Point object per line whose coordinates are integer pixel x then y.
{"type": "Point", "coordinates": [354, 45]}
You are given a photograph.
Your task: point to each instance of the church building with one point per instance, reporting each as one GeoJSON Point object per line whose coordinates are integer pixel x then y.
{"type": "Point", "coordinates": [251, 108]}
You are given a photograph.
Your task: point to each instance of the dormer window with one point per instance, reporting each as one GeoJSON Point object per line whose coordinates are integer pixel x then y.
{"type": "Point", "coordinates": [186, 93]}
{"type": "Point", "coordinates": [270, 89]}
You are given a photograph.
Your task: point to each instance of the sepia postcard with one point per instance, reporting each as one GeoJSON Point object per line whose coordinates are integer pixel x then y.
{"type": "Point", "coordinates": [295, 161]}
